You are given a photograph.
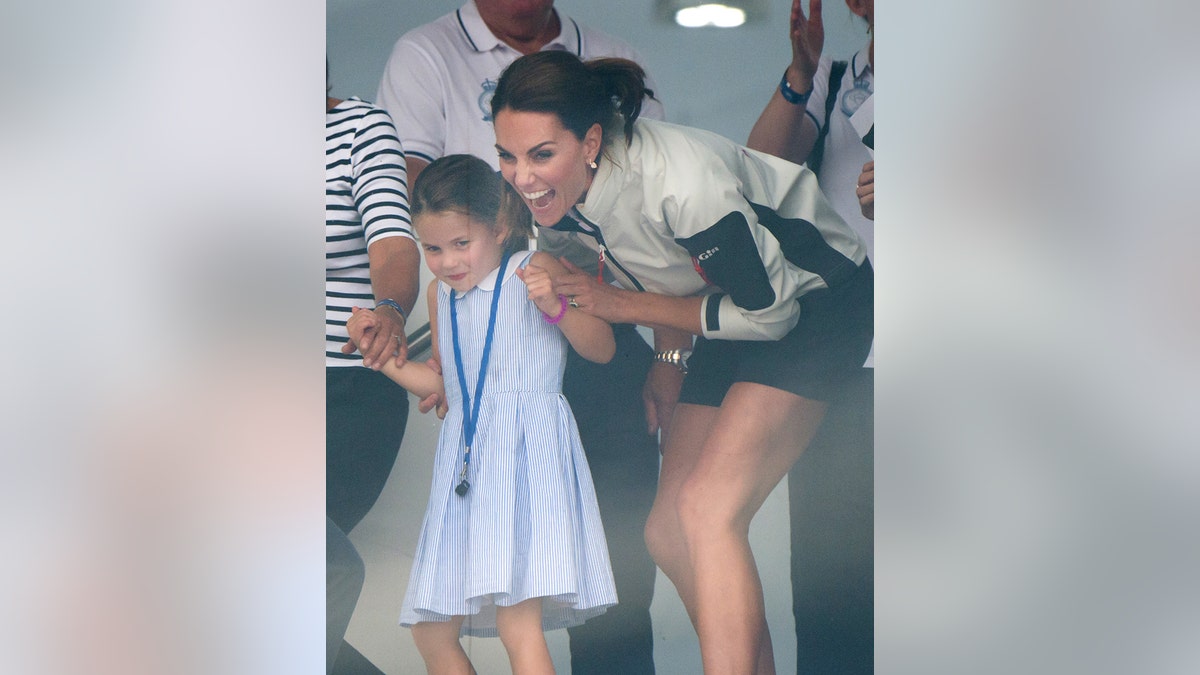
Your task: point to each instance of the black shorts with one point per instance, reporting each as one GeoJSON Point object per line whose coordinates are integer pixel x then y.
{"type": "Point", "coordinates": [831, 341]}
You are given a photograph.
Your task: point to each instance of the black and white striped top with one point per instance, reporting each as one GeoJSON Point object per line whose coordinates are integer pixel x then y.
{"type": "Point", "coordinates": [366, 200]}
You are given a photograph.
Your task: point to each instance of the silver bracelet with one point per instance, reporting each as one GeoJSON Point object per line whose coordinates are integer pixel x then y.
{"type": "Point", "coordinates": [675, 357]}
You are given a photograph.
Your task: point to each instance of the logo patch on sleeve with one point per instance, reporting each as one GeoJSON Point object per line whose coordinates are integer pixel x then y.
{"type": "Point", "coordinates": [697, 259]}
{"type": "Point", "coordinates": [725, 255]}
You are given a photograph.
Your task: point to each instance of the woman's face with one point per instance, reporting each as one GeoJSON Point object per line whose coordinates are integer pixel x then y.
{"type": "Point", "coordinates": [544, 161]}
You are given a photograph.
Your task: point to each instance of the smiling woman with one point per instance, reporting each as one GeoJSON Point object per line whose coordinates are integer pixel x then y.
{"type": "Point", "coordinates": [548, 166]}
{"type": "Point", "coordinates": [708, 239]}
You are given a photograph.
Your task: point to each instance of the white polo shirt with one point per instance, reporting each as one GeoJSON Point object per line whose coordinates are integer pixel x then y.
{"type": "Point", "coordinates": [439, 80]}
{"type": "Point", "coordinates": [438, 86]}
{"type": "Point", "coordinates": [845, 153]}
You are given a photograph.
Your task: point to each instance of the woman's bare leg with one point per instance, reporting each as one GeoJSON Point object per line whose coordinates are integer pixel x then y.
{"type": "Point", "coordinates": [664, 533]}
{"type": "Point", "coordinates": [440, 647]}
{"type": "Point", "coordinates": [756, 436]}
{"type": "Point", "coordinates": [520, 628]}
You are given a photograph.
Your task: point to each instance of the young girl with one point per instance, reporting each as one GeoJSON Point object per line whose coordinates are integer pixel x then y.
{"type": "Point", "coordinates": [512, 543]}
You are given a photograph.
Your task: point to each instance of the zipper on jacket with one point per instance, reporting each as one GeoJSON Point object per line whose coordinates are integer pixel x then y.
{"type": "Point", "coordinates": [605, 253]}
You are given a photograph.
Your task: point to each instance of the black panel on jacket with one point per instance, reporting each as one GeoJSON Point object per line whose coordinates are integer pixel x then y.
{"type": "Point", "coordinates": [804, 247]}
{"type": "Point", "coordinates": [726, 255]}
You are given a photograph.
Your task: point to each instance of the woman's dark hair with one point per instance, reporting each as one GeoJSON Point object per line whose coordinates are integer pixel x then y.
{"type": "Point", "coordinates": [607, 92]}
{"type": "Point", "coordinates": [466, 184]}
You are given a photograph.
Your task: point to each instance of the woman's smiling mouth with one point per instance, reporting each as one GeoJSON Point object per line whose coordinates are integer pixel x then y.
{"type": "Point", "coordinates": [541, 199]}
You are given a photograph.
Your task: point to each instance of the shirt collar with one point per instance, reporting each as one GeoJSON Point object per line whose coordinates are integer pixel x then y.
{"type": "Point", "coordinates": [606, 185]}
{"type": "Point", "coordinates": [862, 61]}
{"type": "Point", "coordinates": [483, 40]}
{"type": "Point", "coordinates": [488, 283]}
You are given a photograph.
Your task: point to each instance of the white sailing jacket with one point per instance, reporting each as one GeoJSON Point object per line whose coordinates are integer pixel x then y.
{"type": "Point", "coordinates": [684, 212]}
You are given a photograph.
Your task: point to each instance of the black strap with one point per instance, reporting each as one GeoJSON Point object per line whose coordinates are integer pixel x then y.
{"type": "Point", "coordinates": [836, 70]}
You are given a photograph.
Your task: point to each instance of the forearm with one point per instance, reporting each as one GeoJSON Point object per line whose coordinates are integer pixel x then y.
{"type": "Point", "coordinates": [783, 129]}
{"type": "Point", "coordinates": [417, 378]}
{"type": "Point", "coordinates": [395, 265]}
{"type": "Point", "coordinates": [668, 338]}
{"type": "Point", "coordinates": [658, 311]}
{"type": "Point", "coordinates": [591, 337]}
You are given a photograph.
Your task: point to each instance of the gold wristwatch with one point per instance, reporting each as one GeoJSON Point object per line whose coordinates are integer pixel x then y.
{"type": "Point", "coordinates": [675, 357]}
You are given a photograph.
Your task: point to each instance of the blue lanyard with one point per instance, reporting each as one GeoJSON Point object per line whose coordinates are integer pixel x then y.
{"type": "Point", "coordinates": [471, 408]}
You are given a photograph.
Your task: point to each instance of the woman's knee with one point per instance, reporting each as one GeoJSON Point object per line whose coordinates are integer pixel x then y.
{"type": "Point", "coordinates": [662, 533]}
{"type": "Point", "coordinates": [705, 513]}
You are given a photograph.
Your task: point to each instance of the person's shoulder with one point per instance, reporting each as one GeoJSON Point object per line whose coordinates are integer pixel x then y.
{"type": "Point", "coordinates": [356, 112]}
{"type": "Point", "coordinates": [666, 137]}
{"type": "Point", "coordinates": [437, 35]}
{"type": "Point", "coordinates": [351, 106]}
{"type": "Point", "coordinates": [596, 43]}
{"type": "Point", "coordinates": [355, 107]}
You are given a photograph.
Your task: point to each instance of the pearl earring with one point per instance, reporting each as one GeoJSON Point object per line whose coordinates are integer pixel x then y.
{"type": "Point", "coordinates": [592, 164]}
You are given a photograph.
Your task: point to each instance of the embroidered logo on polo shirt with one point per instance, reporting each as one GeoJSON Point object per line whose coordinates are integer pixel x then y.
{"type": "Point", "coordinates": [485, 99]}
{"type": "Point", "coordinates": [854, 98]}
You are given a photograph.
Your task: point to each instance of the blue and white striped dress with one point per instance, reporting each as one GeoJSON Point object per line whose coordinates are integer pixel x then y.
{"type": "Point", "coordinates": [529, 526]}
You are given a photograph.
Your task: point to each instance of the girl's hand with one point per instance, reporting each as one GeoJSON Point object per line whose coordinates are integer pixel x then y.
{"type": "Point", "coordinates": [866, 190]}
{"type": "Point", "coordinates": [377, 336]}
{"type": "Point", "coordinates": [808, 39]}
{"type": "Point", "coordinates": [541, 289]}
{"type": "Point", "coordinates": [435, 400]}
{"type": "Point", "coordinates": [589, 295]}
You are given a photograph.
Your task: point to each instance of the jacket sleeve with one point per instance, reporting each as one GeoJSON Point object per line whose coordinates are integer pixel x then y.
{"type": "Point", "coordinates": [738, 244]}
{"type": "Point", "coordinates": [734, 250]}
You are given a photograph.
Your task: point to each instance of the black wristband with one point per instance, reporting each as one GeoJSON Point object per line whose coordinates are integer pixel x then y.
{"type": "Point", "coordinates": [789, 94]}
{"type": "Point", "coordinates": [388, 302]}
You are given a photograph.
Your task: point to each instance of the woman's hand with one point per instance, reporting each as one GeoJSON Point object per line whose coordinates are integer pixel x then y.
{"type": "Point", "coordinates": [378, 335]}
{"type": "Point", "coordinates": [589, 295]}
{"type": "Point", "coordinates": [808, 39]}
{"type": "Point", "coordinates": [660, 394]}
{"type": "Point", "coordinates": [866, 190]}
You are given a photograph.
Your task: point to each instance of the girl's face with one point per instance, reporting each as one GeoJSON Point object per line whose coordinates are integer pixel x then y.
{"type": "Point", "coordinates": [544, 161]}
{"type": "Point", "coordinates": [459, 250]}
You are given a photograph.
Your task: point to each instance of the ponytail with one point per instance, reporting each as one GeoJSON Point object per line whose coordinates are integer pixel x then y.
{"type": "Point", "coordinates": [607, 91]}
{"type": "Point", "coordinates": [624, 82]}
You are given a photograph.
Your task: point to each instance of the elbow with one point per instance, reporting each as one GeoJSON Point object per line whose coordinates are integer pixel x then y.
{"type": "Point", "coordinates": [602, 354]}
{"type": "Point", "coordinates": [754, 331]}
{"type": "Point", "coordinates": [602, 351]}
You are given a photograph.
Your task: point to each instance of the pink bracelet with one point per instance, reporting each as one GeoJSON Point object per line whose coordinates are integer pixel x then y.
{"type": "Point", "coordinates": [562, 310]}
